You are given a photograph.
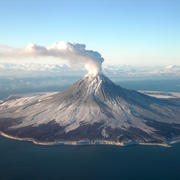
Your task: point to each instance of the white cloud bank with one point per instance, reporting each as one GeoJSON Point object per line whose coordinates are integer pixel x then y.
{"type": "Point", "coordinates": [74, 53]}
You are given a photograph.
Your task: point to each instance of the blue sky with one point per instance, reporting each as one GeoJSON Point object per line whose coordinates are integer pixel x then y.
{"type": "Point", "coordinates": [135, 32]}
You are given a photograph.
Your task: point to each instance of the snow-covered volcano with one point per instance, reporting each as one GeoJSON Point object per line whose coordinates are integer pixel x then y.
{"type": "Point", "coordinates": [93, 110]}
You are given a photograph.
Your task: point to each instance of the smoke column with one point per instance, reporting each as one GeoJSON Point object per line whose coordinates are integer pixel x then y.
{"type": "Point", "coordinates": [74, 53]}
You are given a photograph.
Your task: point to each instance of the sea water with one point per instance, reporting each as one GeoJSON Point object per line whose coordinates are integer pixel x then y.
{"type": "Point", "coordinates": [27, 161]}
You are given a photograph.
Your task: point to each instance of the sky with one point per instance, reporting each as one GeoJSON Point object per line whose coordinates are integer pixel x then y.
{"type": "Point", "coordinates": [132, 32]}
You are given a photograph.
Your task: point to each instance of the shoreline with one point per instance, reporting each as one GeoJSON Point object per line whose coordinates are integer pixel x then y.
{"type": "Point", "coordinates": [87, 142]}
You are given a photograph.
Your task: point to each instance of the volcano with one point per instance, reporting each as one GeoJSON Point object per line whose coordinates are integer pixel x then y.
{"type": "Point", "coordinates": [92, 111]}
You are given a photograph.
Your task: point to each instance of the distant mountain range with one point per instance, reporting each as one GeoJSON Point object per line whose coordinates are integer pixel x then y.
{"type": "Point", "coordinates": [125, 71]}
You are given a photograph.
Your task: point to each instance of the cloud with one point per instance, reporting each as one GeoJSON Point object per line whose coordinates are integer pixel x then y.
{"type": "Point", "coordinates": [74, 53]}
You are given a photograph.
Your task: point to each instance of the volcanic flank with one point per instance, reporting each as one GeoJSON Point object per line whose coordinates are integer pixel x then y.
{"type": "Point", "coordinates": [93, 110]}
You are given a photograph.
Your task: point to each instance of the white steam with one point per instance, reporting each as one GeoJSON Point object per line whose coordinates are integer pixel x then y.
{"type": "Point", "coordinates": [74, 53]}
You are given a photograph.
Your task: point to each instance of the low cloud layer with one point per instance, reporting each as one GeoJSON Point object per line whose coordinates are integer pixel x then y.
{"type": "Point", "coordinates": [74, 53]}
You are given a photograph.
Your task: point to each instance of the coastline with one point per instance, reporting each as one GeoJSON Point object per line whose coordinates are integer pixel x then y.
{"type": "Point", "coordinates": [87, 142]}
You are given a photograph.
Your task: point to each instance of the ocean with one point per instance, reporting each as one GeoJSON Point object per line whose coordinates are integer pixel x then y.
{"type": "Point", "coordinates": [21, 160]}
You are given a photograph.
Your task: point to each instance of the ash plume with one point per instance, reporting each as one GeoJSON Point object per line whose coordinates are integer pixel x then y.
{"type": "Point", "coordinates": [74, 53]}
